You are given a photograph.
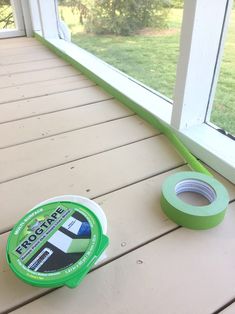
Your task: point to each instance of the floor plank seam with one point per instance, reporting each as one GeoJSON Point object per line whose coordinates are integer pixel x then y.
{"type": "Point", "coordinates": [34, 70]}
{"type": "Point", "coordinates": [58, 110]}
{"type": "Point", "coordinates": [116, 258]}
{"type": "Point", "coordinates": [3, 45]}
{"type": "Point", "coordinates": [115, 190]}
{"type": "Point", "coordinates": [24, 51]}
{"type": "Point", "coordinates": [48, 94]}
{"type": "Point", "coordinates": [29, 61]}
{"type": "Point", "coordinates": [11, 309]}
{"type": "Point", "coordinates": [223, 307]}
{"type": "Point", "coordinates": [72, 130]}
{"type": "Point", "coordinates": [138, 181]}
{"type": "Point", "coordinates": [43, 80]}
{"type": "Point", "coordinates": [81, 158]}
{"type": "Point", "coordinates": [135, 248]}
{"type": "Point", "coordinates": [6, 230]}
{"type": "Point", "coordinates": [13, 48]}
{"type": "Point", "coordinates": [25, 54]}
{"type": "Point", "coordinates": [110, 261]}
{"type": "Point", "coordinates": [96, 268]}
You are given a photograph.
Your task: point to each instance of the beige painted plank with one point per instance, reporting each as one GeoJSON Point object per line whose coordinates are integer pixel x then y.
{"type": "Point", "coordinates": [3, 70]}
{"type": "Point", "coordinates": [91, 177]}
{"type": "Point", "coordinates": [38, 155]}
{"type": "Point", "coordinates": [13, 290]}
{"type": "Point", "coordinates": [43, 88]}
{"type": "Point", "coordinates": [25, 50]}
{"type": "Point", "coordinates": [229, 310]}
{"type": "Point", "coordinates": [51, 103]}
{"type": "Point", "coordinates": [18, 42]}
{"type": "Point", "coordinates": [24, 58]}
{"type": "Point", "coordinates": [59, 122]}
{"type": "Point", "coordinates": [140, 205]}
{"type": "Point", "coordinates": [142, 200]}
{"type": "Point", "coordinates": [123, 237]}
{"type": "Point", "coordinates": [37, 76]}
{"type": "Point", "coordinates": [31, 66]}
{"type": "Point", "coordinates": [224, 181]}
{"type": "Point", "coordinates": [183, 272]}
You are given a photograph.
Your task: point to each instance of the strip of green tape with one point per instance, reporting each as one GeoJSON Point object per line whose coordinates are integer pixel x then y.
{"type": "Point", "coordinates": [169, 203]}
{"type": "Point", "coordinates": [143, 113]}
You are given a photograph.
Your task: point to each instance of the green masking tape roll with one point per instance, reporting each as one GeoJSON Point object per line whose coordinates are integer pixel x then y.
{"type": "Point", "coordinates": [199, 181]}
{"type": "Point", "coordinates": [190, 216]}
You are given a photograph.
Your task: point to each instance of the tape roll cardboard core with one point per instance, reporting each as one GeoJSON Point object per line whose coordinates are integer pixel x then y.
{"type": "Point", "coordinates": [198, 187]}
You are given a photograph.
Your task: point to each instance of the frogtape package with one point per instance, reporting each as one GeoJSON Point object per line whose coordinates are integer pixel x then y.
{"type": "Point", "coordinates": [57, 242]}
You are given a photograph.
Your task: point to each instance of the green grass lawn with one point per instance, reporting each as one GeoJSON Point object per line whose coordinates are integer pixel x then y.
{"type": "Point", "coordinates": [223, 113]}
{"type": "Point", "coordinates": [151, 57]}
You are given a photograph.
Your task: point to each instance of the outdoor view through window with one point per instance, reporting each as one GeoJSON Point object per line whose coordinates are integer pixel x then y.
{"type": "Point", "coordinates": [6, 15]}
{"type": "Point", "coordinates": [223, 113]}
{"type": "Point", "coordinates": [140, 38]}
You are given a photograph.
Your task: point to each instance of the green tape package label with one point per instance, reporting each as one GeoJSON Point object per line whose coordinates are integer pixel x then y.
{"type": "Point", "coordinates": [56, 244]}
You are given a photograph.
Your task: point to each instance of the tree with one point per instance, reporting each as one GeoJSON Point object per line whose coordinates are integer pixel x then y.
{"type": "Point", "coordinates": [6, 14]}
{"type": "Point", "coordinates": [124, 17]}
{"type": "Point", "coordinates": [177, 4]}
{"type": "Point", "coordinates": [78, 6]}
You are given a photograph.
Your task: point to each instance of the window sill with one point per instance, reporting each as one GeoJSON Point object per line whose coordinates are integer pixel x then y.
{"type": "Point", "coordinates": [213, 148]}
{"type": "Point", "coordinates": [7, 33]}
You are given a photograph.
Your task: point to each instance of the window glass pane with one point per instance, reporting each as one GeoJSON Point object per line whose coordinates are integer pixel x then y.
{"type": "Point", "coordinates": [140, 38]}
{"type": "Point", "coordinates": [223, 113]}
{"type": "Point", "coordinates": [6, 15]}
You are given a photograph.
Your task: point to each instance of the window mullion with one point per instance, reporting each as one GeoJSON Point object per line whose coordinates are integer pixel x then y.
{"type": "Point", "coordinates": [219, 58]}
{"type": "Point", "coordinates": [202, 25]}
{"type": "Point", "coordinates": [48, 17]}
{"type": "Point", "coordinates": [18, 15]}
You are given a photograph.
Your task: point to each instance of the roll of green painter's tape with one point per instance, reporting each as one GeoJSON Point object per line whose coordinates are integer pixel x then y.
{"type": "Point", "coordinates": [57, 242]}
{"type": "Point", "coordinates": [190, 216]}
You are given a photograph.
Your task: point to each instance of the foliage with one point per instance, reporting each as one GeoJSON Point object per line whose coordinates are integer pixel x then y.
{"type": "Point", "coordinates": [119, 17]}
{"type": "Point", "coordinates": [177, 4]}
{"type": "Point", "coordinates": [152, 59]}
{"type": "Point", "coordinates": [125, 17]}
{"type": "Point", "coordinates": [6, 14]}
{"type": "Point", "coordinates": [77, 7]}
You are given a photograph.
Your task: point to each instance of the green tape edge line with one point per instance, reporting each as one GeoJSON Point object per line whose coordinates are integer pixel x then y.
{"type": "Point", "coordinates": [140, 111]}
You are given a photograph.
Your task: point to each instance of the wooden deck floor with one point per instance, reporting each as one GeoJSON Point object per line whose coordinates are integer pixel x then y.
{"type": "Point", "coordinates": [62, 134]}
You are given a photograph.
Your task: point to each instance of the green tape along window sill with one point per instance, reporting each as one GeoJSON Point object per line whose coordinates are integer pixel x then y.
{"type": "Point", "coordinates": [195, 165]}
{"type": "Point", "coordinates": [203, 140]}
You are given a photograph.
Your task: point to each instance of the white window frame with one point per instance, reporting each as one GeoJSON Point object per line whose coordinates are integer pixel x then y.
{"type": "Point", "coordinates": [19, 29]}
{"type": "Point", "coordinates": [204, 26]}
{"type": "Point", "coordinates": [204, 29]}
